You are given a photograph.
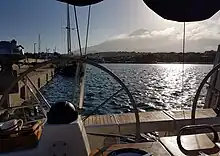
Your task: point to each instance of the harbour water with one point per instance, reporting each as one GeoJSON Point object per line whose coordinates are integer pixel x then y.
{"type": "Point", "coordinates": [153, 86]}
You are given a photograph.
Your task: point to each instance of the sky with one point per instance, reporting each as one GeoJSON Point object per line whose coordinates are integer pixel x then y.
{"type": "Point", "coordinates": [115, 25]}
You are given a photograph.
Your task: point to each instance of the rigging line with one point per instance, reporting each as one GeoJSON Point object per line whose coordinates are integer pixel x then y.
{"type": "Point", "coordinates": [64, 39]}
{"type": "Point", "coordinates": [88, 25]}
{"type": "Point", "coordinates": [77, 29]}
{"type": "Point", "coordinates": [183, 58]}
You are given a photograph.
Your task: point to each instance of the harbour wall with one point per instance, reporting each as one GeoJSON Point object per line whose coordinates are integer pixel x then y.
{"type": "Point", "coordinates": [39, 77]}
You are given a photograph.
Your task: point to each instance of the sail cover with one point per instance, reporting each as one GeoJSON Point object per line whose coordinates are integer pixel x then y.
{"type": "Point", "coordinates": [184, 10]}
{"type": "Point", "coordinates": [80, 2]}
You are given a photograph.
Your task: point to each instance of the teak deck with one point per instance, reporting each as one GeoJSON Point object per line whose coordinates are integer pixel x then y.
{"type": "Point", "coordinates": [169, 121]}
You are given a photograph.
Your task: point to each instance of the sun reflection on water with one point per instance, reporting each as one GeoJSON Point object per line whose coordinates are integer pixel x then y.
{"type": "Point", "coordinates": [153, 86]}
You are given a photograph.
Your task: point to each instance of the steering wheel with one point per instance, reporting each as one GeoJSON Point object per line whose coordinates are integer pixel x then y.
{"type": "Point", "coordinates": [211, 88]}
{"type": "Point", "coordinates": [80, 61]}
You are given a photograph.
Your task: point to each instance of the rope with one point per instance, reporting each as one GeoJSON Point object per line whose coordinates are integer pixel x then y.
{"type": "Point", "coordinates": [77, 29]}
{"type": "Point", "coordinates": [14, 127]}
{"type": "Point", "coordinates": [87, 31]}
{"type": "Point", "coordinates": [183, 59]}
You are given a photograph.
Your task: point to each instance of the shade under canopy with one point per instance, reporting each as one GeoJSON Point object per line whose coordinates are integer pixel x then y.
{"type": "Point", "coordinates": [184, 10]}
{"type": "Point", "coordinates": [80, 2]}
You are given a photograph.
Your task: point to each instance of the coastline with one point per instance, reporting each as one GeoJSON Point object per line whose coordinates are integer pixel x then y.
{"type": "Point", "coordinates": [203, 63]}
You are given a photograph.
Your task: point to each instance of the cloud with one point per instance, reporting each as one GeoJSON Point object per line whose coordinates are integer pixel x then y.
{"type": "Point", "coordinates": [118, 37]}
{"type": "Point", "coordinates": [209, 29]}
{"type": "Point", "coordinates": [144, 33]}
{"type": "Point", "coordinates": [200, 36]}
{"type": "Point", "coordinates": [139, 32]}
{"type": "Point", "coordinates": [166, 32]}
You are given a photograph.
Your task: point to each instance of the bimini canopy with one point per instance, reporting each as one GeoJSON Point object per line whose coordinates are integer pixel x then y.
{"type": "Point", "coordinates": [175, 10]}
{"type": "Point", "coordinates": [80, 2]}
{"type": "Point", "coordinates": [184, 10]}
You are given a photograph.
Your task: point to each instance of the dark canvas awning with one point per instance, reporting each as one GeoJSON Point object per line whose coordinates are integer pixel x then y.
{"type": "Point", "coordinates": [80, 2]}
{"type": "Point", "coordinates": [184, 10]}
{"type": "Point", "coordinates": [175, 10]}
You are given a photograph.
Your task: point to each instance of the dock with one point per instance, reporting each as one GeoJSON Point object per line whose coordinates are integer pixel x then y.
{"type": "Point", "coordinates": [39, 77]}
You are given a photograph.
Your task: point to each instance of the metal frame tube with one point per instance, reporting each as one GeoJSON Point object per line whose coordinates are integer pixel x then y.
{"type": "Point", "coordinates": [195, 100]}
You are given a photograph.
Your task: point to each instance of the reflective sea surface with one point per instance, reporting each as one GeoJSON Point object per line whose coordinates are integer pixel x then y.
{"type": "Point", "coordinates": [153, 86]}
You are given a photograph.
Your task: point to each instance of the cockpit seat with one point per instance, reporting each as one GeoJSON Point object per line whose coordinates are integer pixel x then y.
{"type": "Point", "coordinates": [25, 138]}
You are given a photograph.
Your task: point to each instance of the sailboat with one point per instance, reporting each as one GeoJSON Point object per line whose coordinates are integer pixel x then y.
{"type": "Point", "coordinates": [63, 131]}
{"type": "Point", "coordinates": [67, 69]}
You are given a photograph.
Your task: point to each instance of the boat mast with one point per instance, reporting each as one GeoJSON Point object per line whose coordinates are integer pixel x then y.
{"type": "Point", "coordinates": [39, 42]}
{"type": "Point", "coordinates": [68, 32]}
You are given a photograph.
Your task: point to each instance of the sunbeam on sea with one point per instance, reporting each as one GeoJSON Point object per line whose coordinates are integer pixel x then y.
{"type": "Point", "coordinates": [153, 86]}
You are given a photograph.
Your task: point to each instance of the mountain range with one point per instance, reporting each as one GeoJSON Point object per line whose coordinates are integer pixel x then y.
{"type": "Point", "coordinates": [199, 38]}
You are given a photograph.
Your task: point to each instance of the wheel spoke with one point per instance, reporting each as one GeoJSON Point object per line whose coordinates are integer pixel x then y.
{"type": "Point", "coordinates": [102, 104]}
{"type": "Point", "coordinates": [212, 87]}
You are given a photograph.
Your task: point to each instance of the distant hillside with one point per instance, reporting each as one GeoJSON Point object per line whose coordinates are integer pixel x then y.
{"type": "Point", "coordinates": [167, 40]}
{"type": "Point", "coordinates": [138, 57]}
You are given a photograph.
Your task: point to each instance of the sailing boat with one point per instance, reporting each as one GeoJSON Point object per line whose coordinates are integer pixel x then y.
{"type": "Point", "coordinates": [65, 132]}
{"type": "Point", "coordinates": [67, 69]}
